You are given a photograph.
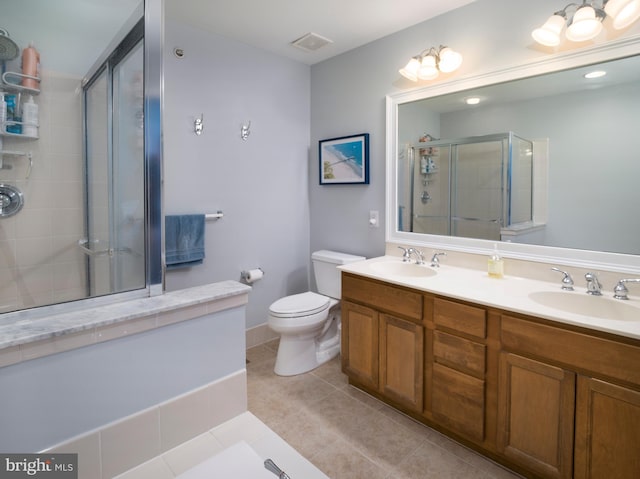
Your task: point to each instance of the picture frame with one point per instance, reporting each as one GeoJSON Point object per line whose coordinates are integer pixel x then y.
{"type": "Point", "coordinates": [344, 160]}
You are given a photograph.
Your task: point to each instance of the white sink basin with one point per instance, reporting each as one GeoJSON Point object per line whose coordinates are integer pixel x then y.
{"type": "Point", "coordinates": [600, 307]}
{"type": "Point", "coordinates": [399, 268]}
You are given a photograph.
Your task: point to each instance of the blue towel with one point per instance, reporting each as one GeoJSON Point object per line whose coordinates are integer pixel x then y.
{"type": "Point", "coordinates": [184, 240]}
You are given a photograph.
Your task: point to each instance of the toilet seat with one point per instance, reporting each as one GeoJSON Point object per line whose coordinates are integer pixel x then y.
{"type": "Point", "coordinates": [297, 305]}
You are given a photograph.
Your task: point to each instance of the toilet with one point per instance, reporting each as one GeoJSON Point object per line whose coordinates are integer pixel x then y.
{"type": "Point", "coordinates": [309, 323]}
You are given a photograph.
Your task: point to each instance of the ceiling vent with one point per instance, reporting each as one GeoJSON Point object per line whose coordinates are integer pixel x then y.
{"type": "Point", "coordinates": [311, 42]}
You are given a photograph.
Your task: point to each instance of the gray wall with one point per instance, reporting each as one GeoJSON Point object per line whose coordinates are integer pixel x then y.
{"type": "Point", "coordinates": [347, 96]}
{"type": "Point", "coordinates": [260, 183]}
{"type": "Point", "coordinates": [55, 398]}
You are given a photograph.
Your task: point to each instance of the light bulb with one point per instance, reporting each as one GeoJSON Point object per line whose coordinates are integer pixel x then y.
{"type": "Point", "coordinates": [449, 60]}
{"type": "Point", "coordinates": [428, 69]}
{"type": "Point", "coordinates": [549, 33]}
{"type": "Point", "coordinates": [410, 71]}
{"type": "Point", "coordinates": [585, 25]}
{"type": "Point", "coordinates": [623, 12]}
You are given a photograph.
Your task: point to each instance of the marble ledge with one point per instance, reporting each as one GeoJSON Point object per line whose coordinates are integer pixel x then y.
{"type": "Point", "coordinates": [27, 338]}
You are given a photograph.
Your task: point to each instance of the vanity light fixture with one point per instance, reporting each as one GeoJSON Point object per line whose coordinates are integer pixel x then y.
{"type": "Point", "coordinates": [585, 22]}
{"type": "Point", "coordinates": [429, 63]}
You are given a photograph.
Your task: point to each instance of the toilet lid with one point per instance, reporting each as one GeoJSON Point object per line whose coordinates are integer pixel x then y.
{"type": "Point", "coordinates": [301, 304]}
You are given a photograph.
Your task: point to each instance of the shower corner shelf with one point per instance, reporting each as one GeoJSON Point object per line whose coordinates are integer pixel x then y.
{"type": "Point", "coordinates": [9, 86]}
{"type": "Point", "coordinates": [18, 135]}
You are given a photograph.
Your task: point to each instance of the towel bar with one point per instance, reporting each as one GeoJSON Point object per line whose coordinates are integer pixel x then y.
{"type": "Point", "coordinates": [214, 216]}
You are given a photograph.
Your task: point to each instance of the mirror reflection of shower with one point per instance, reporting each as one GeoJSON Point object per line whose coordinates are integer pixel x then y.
{"type": "Point", "coordinates": [478, 187]}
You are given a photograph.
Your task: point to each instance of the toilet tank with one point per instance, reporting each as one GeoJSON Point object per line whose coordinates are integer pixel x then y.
{"type": "Point", "coordinates": [326, 272]}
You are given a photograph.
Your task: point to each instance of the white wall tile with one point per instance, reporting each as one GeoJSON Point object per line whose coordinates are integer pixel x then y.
{"type": "Point", "coordinates": [129, 443]}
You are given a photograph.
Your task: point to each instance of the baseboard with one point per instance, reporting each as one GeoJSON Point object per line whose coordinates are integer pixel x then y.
{"type": "Point", "coordinates": [259, 335]}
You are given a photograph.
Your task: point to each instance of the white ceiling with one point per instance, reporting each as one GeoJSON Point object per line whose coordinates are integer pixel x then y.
{"type": "Point", "coordinates": [273, 24]}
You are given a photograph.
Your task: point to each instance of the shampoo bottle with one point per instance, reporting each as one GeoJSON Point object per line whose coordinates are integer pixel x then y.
{"type": "Point", "coordinates": [30, 67]}
{"type": "Point", "coordinates": [495, 266]}
{"type": "Point", "coordinates": [30, 118]}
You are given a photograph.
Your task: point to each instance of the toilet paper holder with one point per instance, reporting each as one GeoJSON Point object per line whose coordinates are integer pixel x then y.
{"type": "Point", "coordinates": [251, 275]}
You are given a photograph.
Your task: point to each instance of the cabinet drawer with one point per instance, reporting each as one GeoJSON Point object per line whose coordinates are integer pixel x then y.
{"type": "Point", "coordinates": [458, 401]}
{"type": "Point", "coordinates": [382, 296]}
{"type": "Point", "coordinates": [580, 351]}
{"type": "Point", "coordinates": [459, 353]}
{"type": "Point", "coordinates": [460, 317]}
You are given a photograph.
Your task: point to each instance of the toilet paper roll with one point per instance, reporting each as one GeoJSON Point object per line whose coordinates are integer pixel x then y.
{"type": "Point", "coordinates": [253, 275]}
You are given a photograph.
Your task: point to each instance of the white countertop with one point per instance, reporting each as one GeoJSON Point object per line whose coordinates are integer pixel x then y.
{"type": "Point", "coordinates": [512, 293]}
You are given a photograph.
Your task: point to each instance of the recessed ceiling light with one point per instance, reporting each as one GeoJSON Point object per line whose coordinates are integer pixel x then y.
{"type": "Point", "coordinates": [472, 100]}
{"type": "Point", "coordinates": [595, 74]}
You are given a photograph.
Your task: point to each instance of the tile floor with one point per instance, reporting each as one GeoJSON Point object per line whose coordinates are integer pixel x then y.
{"type": "Point", "coordinates": [348, 434]}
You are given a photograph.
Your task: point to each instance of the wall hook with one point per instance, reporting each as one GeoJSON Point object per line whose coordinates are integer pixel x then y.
{"type": "Point", "coordinates": [245, 131]}
{"type": "Point", "coordinates": [198, 124]}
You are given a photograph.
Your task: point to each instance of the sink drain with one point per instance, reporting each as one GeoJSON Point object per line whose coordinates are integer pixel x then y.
{"type": "Point", "coordinates": [11, 200]}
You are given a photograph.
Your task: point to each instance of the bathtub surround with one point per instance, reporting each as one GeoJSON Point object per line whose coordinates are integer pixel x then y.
{"type": "Point", "coordinates": [138, 438]}
{"type": "Point", "coordinates": [92, 371]}
{"type": "Point", "coordinates": [244, 428]}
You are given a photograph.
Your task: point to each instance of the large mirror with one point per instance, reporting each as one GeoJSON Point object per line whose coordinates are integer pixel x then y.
{"type": "Point", "coordinates": [584, 185]}
{"type": "Point", "coordinates": [79, 168]}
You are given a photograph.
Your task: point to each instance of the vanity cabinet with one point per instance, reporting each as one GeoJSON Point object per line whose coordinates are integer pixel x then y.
{"type": "Point", "coordinates": [535, 415]}
{"type": "Point", "coordinates": [401, 361]}
{"type": "Point", "coordinates": [544, 398]}
{"type": "Point", "coordinates": [551, 376]}
{"type": "Point", "coordinates": [607, 430]}
{"type": "Point", "coordinates": [458, 366]}
{"type": "Point", "coordinates": [360, 340]}
{"type": "Point", "coordinates": [383, 339]}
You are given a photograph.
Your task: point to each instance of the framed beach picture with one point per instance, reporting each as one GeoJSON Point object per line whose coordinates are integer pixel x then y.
{"type": "Point", "coordinates": [344, 160]}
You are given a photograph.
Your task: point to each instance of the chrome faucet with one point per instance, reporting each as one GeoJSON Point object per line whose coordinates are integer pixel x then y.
{"type": "Point", "coordinates": [435, 261]}
{"type": "Point", "coordinates": [621, 291]}
{"type": "Point", "coordinates": [419, 255]}
{"type": "Point", "coordinates": [594, 287]}
{"type": "Point", "coordinates": [567, 280]}
{"type": "Point", "coordinates": [406, 254]}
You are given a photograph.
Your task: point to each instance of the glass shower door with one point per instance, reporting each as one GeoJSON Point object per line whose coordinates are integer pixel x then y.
{"type": "Point", "coordinates": [115, 233]}
{"type": "Point", "coordinates": [477, 189]}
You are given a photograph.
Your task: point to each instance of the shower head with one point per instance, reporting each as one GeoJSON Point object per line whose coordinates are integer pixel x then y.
{"type": "Point", "coordinates": [8, 48]}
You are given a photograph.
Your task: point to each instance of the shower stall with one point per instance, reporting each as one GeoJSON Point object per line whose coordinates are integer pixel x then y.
{"type": "Point", "coordinates": [113, 104]}
{"type": "Point", "coordinates": [471, 187]}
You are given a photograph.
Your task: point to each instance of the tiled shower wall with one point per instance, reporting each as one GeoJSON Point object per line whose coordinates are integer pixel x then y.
{"type": "Point", "coordinates": [40, 262]}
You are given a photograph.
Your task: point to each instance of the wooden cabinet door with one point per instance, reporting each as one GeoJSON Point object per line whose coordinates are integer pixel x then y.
{"type": "Point", "coordinates": [401, 361]}
{"type": "Point", "coordinates": [536, 404]}
{"type": "Point", "coordinates": [458, 402]}
{"type": "Point", "coordinates": [607, 431]}
{"type": "Point", "coordinates": [360, 340]}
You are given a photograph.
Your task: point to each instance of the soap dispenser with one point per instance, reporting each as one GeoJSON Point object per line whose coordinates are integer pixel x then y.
{"type": "Point", "coordinates": [495, 265]}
